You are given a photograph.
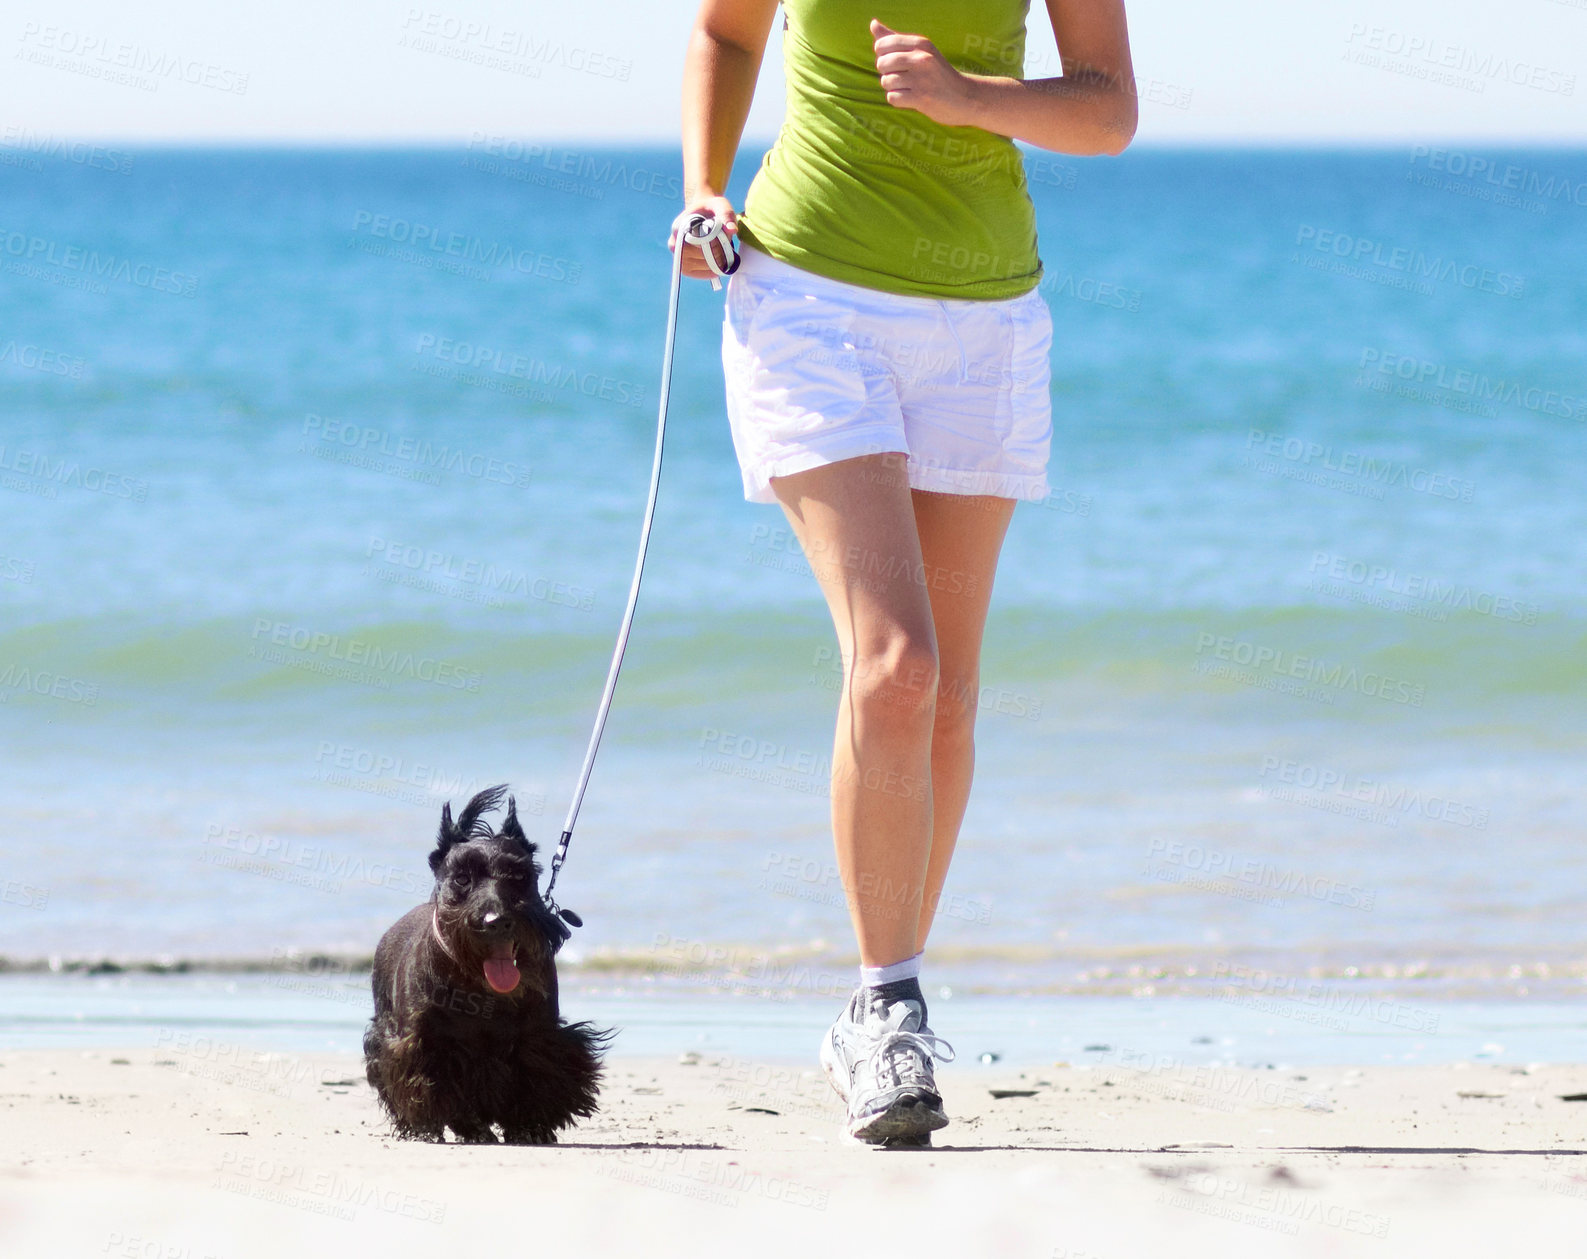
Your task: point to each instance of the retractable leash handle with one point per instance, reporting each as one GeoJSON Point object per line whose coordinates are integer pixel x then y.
{"type": "Point", "coordinates": [696, 229]}
{"type": "Point", "coordinates": [701, 230]}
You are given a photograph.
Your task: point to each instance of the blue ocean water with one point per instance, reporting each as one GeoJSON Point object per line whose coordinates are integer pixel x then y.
{"type": "Point", "coordinates": [320, 478]}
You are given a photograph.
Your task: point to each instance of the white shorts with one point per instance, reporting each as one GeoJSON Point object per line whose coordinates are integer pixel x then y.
{"type": "Point", "coordinates": [819, 370]}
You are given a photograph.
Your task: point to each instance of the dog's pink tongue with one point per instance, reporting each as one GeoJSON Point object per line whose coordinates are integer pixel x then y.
{"type": "Point", "coordinates": [501, 969]}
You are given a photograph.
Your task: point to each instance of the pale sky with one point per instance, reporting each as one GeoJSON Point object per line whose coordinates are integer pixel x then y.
{"type": "Point", "coordinates": [340, 71]}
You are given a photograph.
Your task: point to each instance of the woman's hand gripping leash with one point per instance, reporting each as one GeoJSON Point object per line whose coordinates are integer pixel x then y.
{"type": "Point", "coordinates": [711, 232]}
{"type": "Point", "coordinates": [713, 228]}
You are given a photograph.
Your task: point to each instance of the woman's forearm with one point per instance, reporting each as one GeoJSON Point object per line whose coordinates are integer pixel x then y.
{"type": "Point", "coordinates": [718, 86]}
{"type": "Point", "coordinates": [1090, 110]}
{"type": "Point", "coordinates": [1083, 114]}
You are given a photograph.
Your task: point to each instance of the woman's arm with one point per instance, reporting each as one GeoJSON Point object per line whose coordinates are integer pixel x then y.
{"type": "Point", "coordinates": [719, 73]}
{"type": "Point", "coordinates": [1090, 110]}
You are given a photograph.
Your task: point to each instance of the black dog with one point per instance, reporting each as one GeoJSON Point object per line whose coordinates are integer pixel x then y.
{"type": "Point", "coordinates": [467, 1034]}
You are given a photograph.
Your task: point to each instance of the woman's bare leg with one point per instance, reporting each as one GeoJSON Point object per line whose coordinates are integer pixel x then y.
{"type": "Point", "coordinates": [908, 578]}
{"type": "Point", "coordinates": [960, 538]}
{"type": "Point", "coordinates": [855, 521]}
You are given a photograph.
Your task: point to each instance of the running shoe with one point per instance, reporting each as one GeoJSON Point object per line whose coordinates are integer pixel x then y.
{"type": "Point", "coordinates": [879, 1059]}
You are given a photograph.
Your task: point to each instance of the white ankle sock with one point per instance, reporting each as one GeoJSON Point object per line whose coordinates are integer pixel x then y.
{"type": "Point", "coordinates": [876, 976]}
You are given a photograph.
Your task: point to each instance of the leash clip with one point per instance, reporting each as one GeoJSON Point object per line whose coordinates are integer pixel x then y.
{"type": "Point", "coordinates": [561, 855]}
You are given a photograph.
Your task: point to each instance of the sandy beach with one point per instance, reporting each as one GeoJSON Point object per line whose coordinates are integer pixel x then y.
{"type": "Point", "coordinates": [199, 1149]}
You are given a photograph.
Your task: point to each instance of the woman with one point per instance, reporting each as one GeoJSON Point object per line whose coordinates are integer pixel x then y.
{"type": "Point", "coordinates": [886, 358]}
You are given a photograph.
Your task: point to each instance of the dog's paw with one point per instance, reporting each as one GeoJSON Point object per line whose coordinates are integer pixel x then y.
{"type": "Point", "coordinates": [529, 1136]}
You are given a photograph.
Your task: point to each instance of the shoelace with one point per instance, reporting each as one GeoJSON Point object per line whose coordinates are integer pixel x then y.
{"type": "Point", "coordinates": [927, 1044]}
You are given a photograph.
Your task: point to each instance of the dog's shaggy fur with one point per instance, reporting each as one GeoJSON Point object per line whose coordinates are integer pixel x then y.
{"type": "Point", "coordinates": [467, 1034]}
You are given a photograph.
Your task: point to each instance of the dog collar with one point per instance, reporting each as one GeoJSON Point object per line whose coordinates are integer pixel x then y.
{"type": "Point", "coordinates": [435, 930]}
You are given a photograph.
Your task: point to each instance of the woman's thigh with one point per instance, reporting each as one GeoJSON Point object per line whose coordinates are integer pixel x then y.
{"type": "Point", "coordinates": [856, 523]}
{"type": "Point", "coordinates": [961, 537]}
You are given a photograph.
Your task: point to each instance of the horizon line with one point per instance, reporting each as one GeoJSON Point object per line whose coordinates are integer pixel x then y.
{"type": "Point", "coordinates": [1183, 144]}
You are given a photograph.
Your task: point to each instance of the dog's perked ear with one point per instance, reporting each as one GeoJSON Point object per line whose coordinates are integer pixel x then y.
{"type": "Point", "coordinates": [511, 828]}
{"type": "Point", "coordinates": [444, 839]}
{"type": "Point", "coordinates": [468, 824]}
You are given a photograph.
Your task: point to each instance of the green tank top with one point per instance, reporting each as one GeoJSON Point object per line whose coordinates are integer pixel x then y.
{"type": "Point", "coordinates": [859, 190]}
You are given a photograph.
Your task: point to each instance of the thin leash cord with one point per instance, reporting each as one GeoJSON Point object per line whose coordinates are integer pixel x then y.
{"type": "Point", "coordinates": [694, 229]}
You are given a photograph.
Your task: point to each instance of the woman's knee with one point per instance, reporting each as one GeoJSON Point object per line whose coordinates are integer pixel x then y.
{"type": "Point", "coordinates": [897, 681]}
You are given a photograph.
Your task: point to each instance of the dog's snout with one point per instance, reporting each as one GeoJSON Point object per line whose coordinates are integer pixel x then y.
{"type": "Point", "coordinates": [493, 922]}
